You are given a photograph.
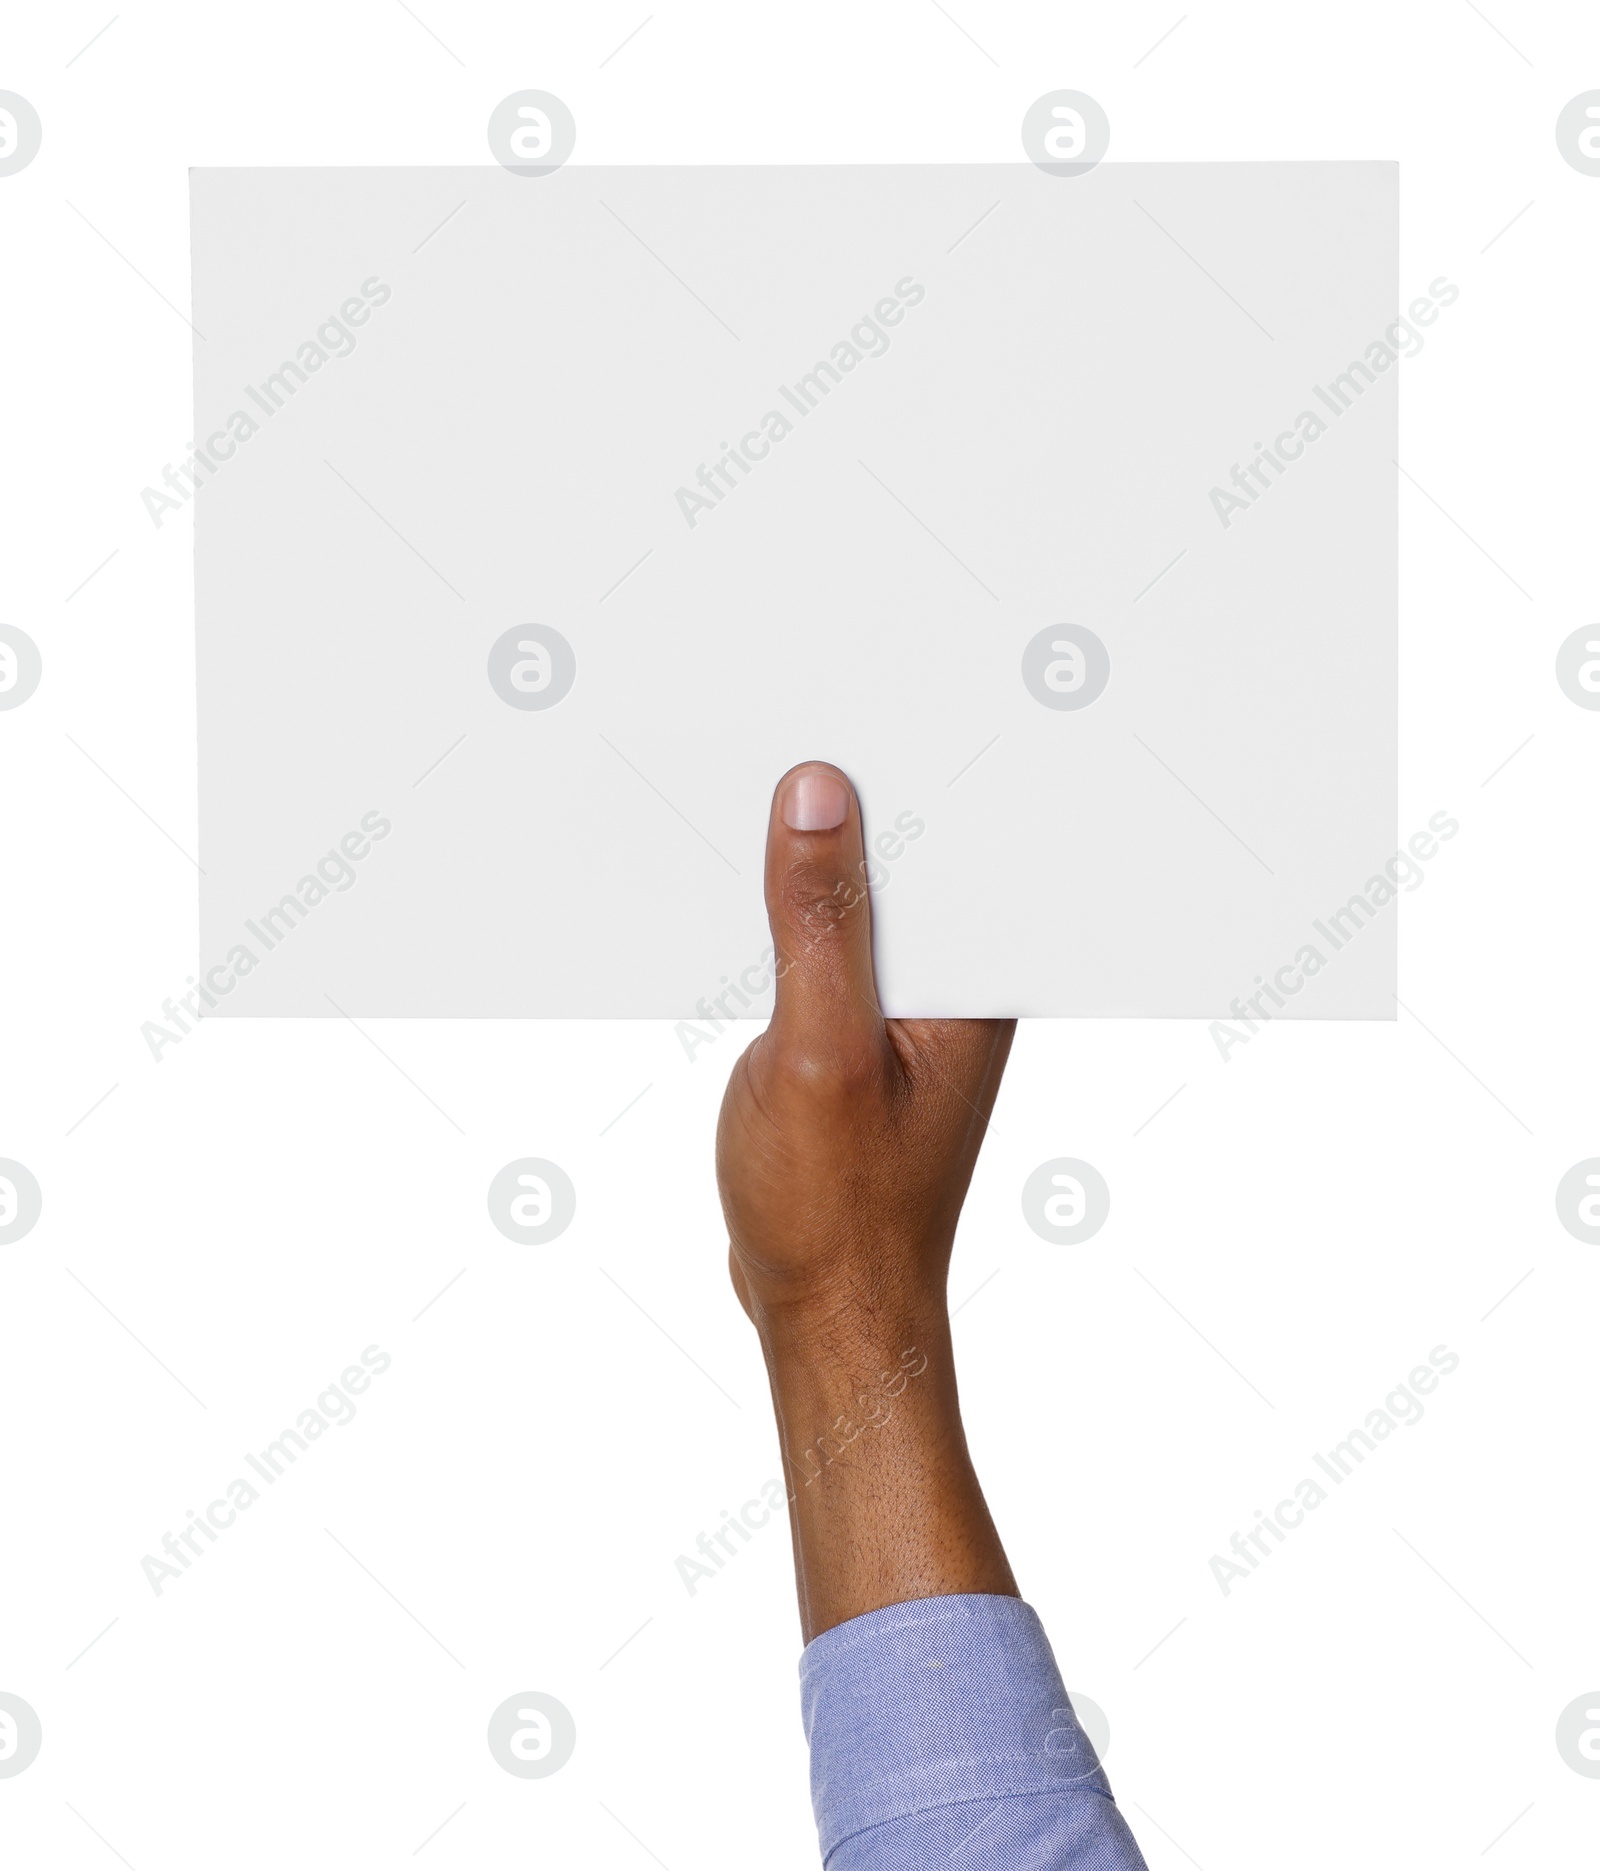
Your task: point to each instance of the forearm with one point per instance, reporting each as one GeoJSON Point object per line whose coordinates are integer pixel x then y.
{"type": "Point", "coordinates": [884, 1503]}
{"type": "Point", "coordinates": [933, 1706]}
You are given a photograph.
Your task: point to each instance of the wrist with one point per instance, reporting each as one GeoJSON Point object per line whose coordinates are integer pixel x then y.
{"type": "Point", "coordinates": [848, 1380]}
{"type": "Point", "coordinates": [848, 1336]}
{"type": "Point", "coordinates": [862, 1294]}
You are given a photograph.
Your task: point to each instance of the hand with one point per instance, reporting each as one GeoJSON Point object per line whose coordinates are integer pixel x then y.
{"type": "Point", "coordinates": [846, 1141]}
{"type": "Point", "coordinates": [844, 1151]}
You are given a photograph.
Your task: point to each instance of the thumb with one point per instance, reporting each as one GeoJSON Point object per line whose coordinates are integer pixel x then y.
{"type": "Point", "coordinates": [820, 910]}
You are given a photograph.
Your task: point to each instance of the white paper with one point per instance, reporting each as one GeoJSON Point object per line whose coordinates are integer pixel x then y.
{"type": "Point", "coordinates": [1056, 430]}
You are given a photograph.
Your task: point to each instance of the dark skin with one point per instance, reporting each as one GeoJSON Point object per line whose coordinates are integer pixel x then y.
{"type": "Point", "coordinates": [844, 1151]}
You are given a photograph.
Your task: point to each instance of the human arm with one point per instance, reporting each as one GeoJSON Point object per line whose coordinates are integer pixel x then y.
{"type": "Point", "coordinates": [844, 1152]}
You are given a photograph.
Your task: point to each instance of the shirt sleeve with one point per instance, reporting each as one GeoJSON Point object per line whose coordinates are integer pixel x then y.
{"type": "Point", "coordinates": [941, 1734]}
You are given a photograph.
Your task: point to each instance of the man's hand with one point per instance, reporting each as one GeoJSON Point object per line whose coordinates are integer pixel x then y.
{"type": "Point", "coordinates": [847, 1141]}
{"type": "Point", "coordinates": [844, 1152]}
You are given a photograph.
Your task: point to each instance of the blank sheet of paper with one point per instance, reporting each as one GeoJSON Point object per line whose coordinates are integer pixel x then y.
{"type": "Point", "coordinates": [544, 522]}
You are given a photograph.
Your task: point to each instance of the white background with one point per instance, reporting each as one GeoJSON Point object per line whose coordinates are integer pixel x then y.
{"type": "Point", "coordinates": [1293, 1232]}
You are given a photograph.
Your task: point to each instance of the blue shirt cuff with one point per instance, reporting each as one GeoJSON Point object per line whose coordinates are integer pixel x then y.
{"type": "Point", "coordinates": [936, 1702]}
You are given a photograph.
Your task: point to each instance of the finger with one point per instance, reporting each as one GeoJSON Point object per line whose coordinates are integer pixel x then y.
{"type": "Point", "coordinates": [820, 910]}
